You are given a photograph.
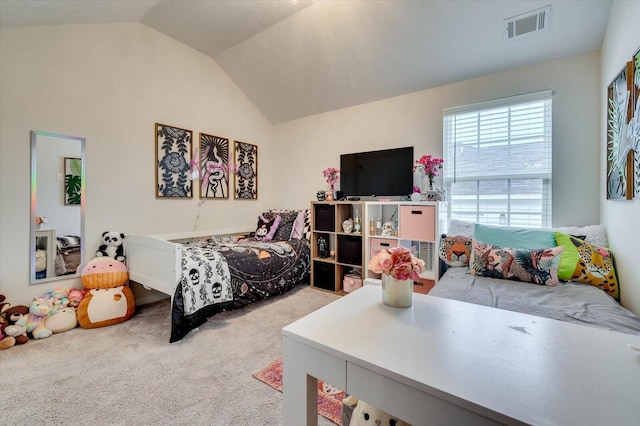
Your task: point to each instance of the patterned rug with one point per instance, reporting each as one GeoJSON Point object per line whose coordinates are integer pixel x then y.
{"type": "Point", "coordinates": [329, 398]}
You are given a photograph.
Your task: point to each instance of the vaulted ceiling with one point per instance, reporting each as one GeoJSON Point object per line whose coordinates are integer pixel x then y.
{"type": "Point", "coordinates": [298, 58]}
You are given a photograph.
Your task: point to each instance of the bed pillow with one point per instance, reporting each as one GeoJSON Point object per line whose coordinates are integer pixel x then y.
{"type": "Point", "coordinates": [455, 250]}
{"type": "Point", "coordinates": [267, 227]}
{"type": "Point", "coordinates": [536, 266]}
{"type": "Point", "coordinates": [460, 227]}
{"type": "Point", "coordinates": [593, 234]}
{"type": "Point", "coordinates": [520, 238]}
{"type": "Point", "coordinates": [285, 228]}
{"type": "Point", "coordinates": [586, 263]}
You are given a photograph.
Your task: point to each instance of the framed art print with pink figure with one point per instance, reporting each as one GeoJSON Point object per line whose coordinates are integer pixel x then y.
{"type": "Point", "coordinates": [214, 166]}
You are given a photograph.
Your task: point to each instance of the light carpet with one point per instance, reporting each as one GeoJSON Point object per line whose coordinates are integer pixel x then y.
{"type": "Point", "coordinates": [129, 373]}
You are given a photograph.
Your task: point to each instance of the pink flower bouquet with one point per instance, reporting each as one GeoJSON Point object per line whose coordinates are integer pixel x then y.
{"type": "Point", "coordinates": [431, 165]}
{"type": "Point", "coordinates": [398, 262]}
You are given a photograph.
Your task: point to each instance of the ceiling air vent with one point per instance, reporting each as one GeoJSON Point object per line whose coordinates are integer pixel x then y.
{"type": "Point", "coordinates": [527, 24]}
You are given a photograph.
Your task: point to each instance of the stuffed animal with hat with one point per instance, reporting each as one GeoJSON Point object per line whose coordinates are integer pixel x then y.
{"type": "Point", "coordinates": [108, 299]}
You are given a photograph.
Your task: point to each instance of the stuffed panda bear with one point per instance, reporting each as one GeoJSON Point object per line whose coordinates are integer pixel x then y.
{"type": "Point", "coordinates": [113, 246]}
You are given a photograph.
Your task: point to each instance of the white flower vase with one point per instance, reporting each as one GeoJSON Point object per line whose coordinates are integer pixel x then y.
{"type": "Point", "coordinates": [418, 177]}
{"type": "Point", "coordinates": [397, 293]}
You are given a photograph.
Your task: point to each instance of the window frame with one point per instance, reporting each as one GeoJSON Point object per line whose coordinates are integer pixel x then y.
{"type": "Point", "coordinates": [545, 176]}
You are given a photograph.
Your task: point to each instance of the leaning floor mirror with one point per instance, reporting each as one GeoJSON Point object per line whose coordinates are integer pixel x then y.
{"type": "Point", "coordinates": [57, 206]}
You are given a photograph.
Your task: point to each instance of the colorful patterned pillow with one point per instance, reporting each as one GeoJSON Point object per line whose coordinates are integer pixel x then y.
{"type": "Point", "coordinates": [586, 263]}
{"type": "Point", "coordinates": [537, 266]}
{"type": "Point", "coordinates": [455, 250]}
{"type": "Point", "coordinates": [267, 227]}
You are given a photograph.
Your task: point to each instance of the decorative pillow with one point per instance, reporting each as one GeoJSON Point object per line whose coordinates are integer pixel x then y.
{"type": "Point", "coordinates": [285, 229]}
{"type": "Point", "coordinates": [520, 238]}
{"type": "Point", "coordinates": [298, 225]}
{"type": "Point", "coordinates": [267, 227]}
{"type": "Point", "coordinates": [307, 225]}
{"type": "Point", "coordinates": [455, 250]}
{"type": "Point", "coordinates": [586, 263]}
{"type": "Point", "coordinates": [537, 266]}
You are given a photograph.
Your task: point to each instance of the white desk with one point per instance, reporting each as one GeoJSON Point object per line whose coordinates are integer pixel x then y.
{"type": "Point", "coordinates": [448, 362]}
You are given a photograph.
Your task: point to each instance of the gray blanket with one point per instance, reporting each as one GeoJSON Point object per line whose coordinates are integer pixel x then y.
{"type": "Point", "coordinates": [571, 302]}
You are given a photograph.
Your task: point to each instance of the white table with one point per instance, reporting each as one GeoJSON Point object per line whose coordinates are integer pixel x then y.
{"type": "Point", "coordinates": [447, 362]}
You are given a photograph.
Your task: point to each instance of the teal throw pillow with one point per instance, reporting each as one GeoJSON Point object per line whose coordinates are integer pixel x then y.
{"type": "Point", "coordinates": [519, 238]}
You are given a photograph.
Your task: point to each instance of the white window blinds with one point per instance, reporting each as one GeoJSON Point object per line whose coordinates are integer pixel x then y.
{"type": "Point", "coordinates": [497, 161]}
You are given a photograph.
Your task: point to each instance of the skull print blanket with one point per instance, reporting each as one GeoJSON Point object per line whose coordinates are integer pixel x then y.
{"type": "Point", "coordinates": [220, 275]}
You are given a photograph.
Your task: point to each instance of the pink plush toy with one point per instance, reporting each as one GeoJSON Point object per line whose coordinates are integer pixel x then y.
{"type": "Point", "coordinates": [33, 322]}
{"type": "Point", "coordinates": [75, 297]}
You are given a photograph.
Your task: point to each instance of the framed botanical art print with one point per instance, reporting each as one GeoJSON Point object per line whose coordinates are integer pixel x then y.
{"type": "Point", "coordinates": [246, 170]}
{"type": "Point", "coordinates": [214, 166]}
{"type": "Point", "coordinates": [72, 180]}
{"type": "Point", "coordinates": [173, 160]}
{"type": "Point", "coordinates": [623, 143]}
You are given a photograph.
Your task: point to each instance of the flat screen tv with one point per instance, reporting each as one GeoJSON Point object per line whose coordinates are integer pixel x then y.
{"type": "Point", "coordinates": [386, 173]}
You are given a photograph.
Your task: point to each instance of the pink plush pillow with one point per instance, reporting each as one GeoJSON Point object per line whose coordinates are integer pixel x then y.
{"type": "Point", "coordinates": [537, 266]}
{"type": "Point", "coordinates": [267, 227]}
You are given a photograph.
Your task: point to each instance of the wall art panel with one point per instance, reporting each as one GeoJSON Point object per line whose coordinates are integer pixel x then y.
{"type": "Point", "coordinates": [173, 159]}
{"type": "Point", "coordinates": [246, 170]}
{"type": "Point", "coordinates": [214, 166]}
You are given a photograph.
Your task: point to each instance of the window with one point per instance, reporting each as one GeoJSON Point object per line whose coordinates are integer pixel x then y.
{"type": "Point", "coordinates": [498, 161]}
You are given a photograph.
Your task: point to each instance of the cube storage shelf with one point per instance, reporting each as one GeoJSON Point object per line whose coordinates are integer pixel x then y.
{"type": "Point", "coordinates": [384, 224]}
{"type": "Point", "coordinates": [346, 249]}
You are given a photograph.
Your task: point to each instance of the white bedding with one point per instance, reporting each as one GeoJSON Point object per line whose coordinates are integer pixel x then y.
{"type": "Point", "coordinates": [572, 302]}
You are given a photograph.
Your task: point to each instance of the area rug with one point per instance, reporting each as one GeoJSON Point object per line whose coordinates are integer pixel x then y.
{"type": "Point", "coordinates": [329, 398]}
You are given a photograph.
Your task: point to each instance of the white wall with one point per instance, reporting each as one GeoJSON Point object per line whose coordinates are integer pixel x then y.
{"type": "Point", "coordinates": [311, 144]}
{"type": "Point", "coordinates": [110, 83]}
{"type": "Point", "coordinates": [622, 218]}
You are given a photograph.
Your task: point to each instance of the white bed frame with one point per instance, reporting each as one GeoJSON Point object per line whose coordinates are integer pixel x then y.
{"type": "Point", "coordinates": [154, 261]}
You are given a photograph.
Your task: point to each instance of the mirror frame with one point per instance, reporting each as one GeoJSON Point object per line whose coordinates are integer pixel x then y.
{"type": "Point", "coordinates": [33, 202]}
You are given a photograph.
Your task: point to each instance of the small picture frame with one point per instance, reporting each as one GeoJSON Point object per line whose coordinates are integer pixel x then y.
{"type": "Point", "coordinates": [72, 180]}
{"type": "Point", "coordinates": [173, 162]}
{"type": "Point", "coordinates": [246, 171]}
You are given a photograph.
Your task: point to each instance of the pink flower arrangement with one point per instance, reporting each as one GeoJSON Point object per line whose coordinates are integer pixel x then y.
{"type": "Point", "coordinates": [431, 165]}
{"type": "Point", "coordinates": [41, 219]}
{"type": "Point", "coordinates": [398, 262]}
{"type": "Point", "coordinates": [331, 175]}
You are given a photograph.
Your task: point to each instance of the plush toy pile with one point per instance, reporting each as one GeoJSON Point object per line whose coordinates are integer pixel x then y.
{"type": "Point", "coordinates": [53, 312]}
{"type": "Point", "coordinates": [105, 300]}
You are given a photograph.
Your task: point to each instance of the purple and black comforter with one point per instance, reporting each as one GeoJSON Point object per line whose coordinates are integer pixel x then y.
{"type": "Point", "coordinates": [256, 270]}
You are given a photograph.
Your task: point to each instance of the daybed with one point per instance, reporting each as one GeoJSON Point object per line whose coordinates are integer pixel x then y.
{"type": "Point", "coordinates": [209, 272]}
{"type": "Point", "coordinates": [581, 286]}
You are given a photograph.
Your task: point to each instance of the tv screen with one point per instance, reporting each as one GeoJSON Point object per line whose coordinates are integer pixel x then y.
{"type": "Point", "coordinates": [384, 173]}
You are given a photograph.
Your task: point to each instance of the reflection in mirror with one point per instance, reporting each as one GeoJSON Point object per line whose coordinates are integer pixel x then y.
{"type": "Point", "coordinates": [57, 206]}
